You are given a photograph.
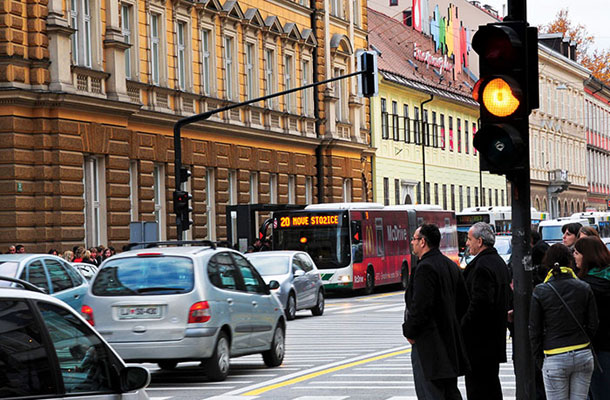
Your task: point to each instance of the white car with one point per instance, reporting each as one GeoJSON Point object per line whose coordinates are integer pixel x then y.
{"type": "Point", "coordinates": [49, 351]}
{"type": "Point", "coordinates": [503, 245]}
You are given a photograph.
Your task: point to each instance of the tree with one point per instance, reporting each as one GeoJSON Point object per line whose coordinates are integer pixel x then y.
{"type": "Point", "coordinates": [597, 61]}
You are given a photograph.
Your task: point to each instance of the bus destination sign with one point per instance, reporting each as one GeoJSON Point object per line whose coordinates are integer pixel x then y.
{"type": "Point", "coordinates": [472, 219]}
{"type": "Point", "coordinates": [296, 221]}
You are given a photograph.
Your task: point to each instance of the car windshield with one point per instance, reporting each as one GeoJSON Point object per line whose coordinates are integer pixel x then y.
{"type": "Point", "coordinates": [551, 233]}
{"type": "Point", "coordinates": [503, 246]}
{"type": "Point", "coordinates": [272, 265]}
{"type": "Point", "coordinates": [144, 276]}
{"type": "Point", "coordinates": [8, 268]}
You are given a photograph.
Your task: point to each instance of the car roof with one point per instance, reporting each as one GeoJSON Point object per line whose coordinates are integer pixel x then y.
{"type": "Point", "coordinates": [25, 256]}
{"type": "Point", "coordinates": [171, 251]}
{"type": "Point", "coordinates": [17, 292]}
{"type": "Point", "coordinates": [274, 253]}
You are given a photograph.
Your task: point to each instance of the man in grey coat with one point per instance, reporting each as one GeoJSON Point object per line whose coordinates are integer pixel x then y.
{"type": "Point", "coordinates": [436, 300]}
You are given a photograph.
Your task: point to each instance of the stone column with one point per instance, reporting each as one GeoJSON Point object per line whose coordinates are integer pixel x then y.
{"type": "Point", "coordinates": [114, 53]}
{"type": "Point", "coordinates": [59, 32]}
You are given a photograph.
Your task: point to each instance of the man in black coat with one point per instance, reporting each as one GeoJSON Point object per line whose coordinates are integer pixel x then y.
{"type": "Point", "coordinates": [435, 300]}
{"type": "Point", "coordinates": [485, 323]}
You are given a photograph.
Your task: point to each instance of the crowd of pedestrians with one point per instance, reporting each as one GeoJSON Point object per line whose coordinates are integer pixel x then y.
{"type": "Point", "coordinates": [456, 321]}
{"type": "Point", "coordinates": [92, 255]}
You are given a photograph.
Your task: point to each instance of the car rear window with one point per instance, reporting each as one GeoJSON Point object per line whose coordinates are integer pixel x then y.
{"type": "Point", "coordinates": [8, 268]}
{"type": "Point", "coordinates": [275, 265]}
{"type": "Point", "coordinates": [144, 276]}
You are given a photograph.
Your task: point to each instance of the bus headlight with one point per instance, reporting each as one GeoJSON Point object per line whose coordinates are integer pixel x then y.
{"type": "Point", "coordinates": [344, 278]}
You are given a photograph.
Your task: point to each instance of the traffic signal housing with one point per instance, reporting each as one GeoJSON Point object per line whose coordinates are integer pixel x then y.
{"type": "Point", "coordinates": [368, 84]}
{"type": "Point", "coordinates": [182, 209]}
{"type": "Point", "coordinates": [507, 91]}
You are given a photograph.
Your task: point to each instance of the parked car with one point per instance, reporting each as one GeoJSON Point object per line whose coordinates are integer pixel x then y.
{"type": "Point", "coordinates": [300, 284]}
{"type": "Point", "coordinates": [52, 274]}
{"type": "Point", "coordinates": [87, 270]}
{"type": "Point", "coordinates": [49, 351]}
{"type": "Point", "coordinates": [173, 304]}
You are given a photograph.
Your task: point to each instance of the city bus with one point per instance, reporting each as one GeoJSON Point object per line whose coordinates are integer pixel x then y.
{"type": "Point", "coordinates": [598, 219]}
{"type": "Point", "coordinates": [500, 219]}
{"type": "Point", "coordinates": [360, 245]}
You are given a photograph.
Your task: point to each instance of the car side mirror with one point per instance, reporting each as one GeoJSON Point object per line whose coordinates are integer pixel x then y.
{"type": "Point", "coordinates": [298, 272]}
{"type": "Point", "coordinates": [134, 378]}
{"type": "Point", "coordinates": [273, 285]}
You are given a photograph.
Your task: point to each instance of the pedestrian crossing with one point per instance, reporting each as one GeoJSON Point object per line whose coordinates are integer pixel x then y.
{"type": "Point", "coordinates": [356, 351]}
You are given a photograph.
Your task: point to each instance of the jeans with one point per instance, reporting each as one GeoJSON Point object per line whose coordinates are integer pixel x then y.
{"type": "Point", "coordinates": [567, 375]}
{"type": "Point", "coordinates": [438, 389]}
{"type": "Point", "coordinates": [600, 381]}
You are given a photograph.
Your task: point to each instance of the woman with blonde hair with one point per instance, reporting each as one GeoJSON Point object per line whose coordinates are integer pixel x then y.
{"type": "Point", "coordinates": [68, 255]}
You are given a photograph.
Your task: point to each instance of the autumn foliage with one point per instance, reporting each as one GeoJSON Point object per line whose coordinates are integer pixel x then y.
{"type": "Point", "coordinates": [597, 61]}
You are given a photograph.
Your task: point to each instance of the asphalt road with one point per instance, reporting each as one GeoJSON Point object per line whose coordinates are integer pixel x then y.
{"type": "Point", "coordinates": [354, 351]}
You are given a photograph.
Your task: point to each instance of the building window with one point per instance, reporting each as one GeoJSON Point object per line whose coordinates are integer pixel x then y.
{"type": "Point", "coordinates": [442, 131]}
{"type": "Point", "coordinates": [159, 199]}
{"type": "Point", "coordinates": [288, 82]}
{"type": "Point", "coordinates": [250, 70]}
{"type": "Point", "coordinates": [306, 94]}
{"type": "Point", "coordinates": [503, 198]}
{"type": "Point", "coordinates": [292, 189]}
{"type": "Point", "coordinates": [436, 193]}
{"type": "Point", "coordinates": [418, 192]}
{"type": "Point", "coordinates": [95, 201]}
{"type": "Point", "coordinates": [496, 193]}
{"type": "Point", "coordinates": [273, 188]}
{"type": "Point", "coordinates": [427, 193]}
{"type": "Point", "coordinates": [444, 197]}
{"type": "Point", "coordinates": [461, 197]}
{"type": "Point", "coordinates": [347, 190]}
{"type": "Point", "coordinates": [453, 197]}
{"type": "Point", "coordinates": [154, 49]}
{"type": "Point", "coordinates": [474, 131]}
{"type": "Point", "coordinates": [181, 67]}
{"type": "Point", "coordinates": [385, 129]}
{"type": "Point", "coordinates": [407, 123]}
{"type": "Point", "coordinates": [395, 134]}
{"type": "Point", "coordinates": [434, 130]}
{"type": "Point", "coordinates": [80, 18]}
{"type": "Point", "coordinates": [459, 135]}
{"type": "Point", "coordinates": [270, 76]}
{"type": "Point", "coordinates": [416, 125]}
{"type": "Point", "coordinates": [450, 133]}
{"type": "Point", "coordinates": [396, 191]}
{"type": "Point", "coordinates": [466, 138]}
{"type": "Point", "coordinates": [233, 187]}
{"type": "Point", "coordinates": [340, 93]}
{"type": "Point", "coordinates": [476, 196]}
{"type": "Point", "coordinates": [490, 199]}
{"type": "Point", "coordinates": [230, 83]}
{"type": "Point", "coordinates": [426, 128]}
{"type": "Point", "coordinates": [468, 202]}
{"type": "Point", "coordinates": [386, 191]}
{"type": "Point", "coordinates": [133, 191]}
{"type": "Point", "coordinates": [210, 197]}
{"type": "Point", "coordinates": [206, 71]}
{"type": "Point", "coordinates": [336, 8]}
{"type": "Point", "coordinates": [308, 190]}
{"type": "Point", "coordinates": [253, 187]}
{"type": "Point", "coordinates": [356, 11]}
{"type": "Point", "coordinates": [127, 23]}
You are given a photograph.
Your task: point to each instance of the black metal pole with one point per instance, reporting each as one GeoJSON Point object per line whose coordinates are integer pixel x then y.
{"type": "Point", "coordinates": [203, 116]}
{"type": "Point", "coordinates": [521, 259]}
{"type": "Point", "coordinates": [423, 144]}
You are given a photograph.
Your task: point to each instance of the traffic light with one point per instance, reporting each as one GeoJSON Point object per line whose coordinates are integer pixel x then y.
{"type": "Point", "coordinates": [368, 85]}
{"type": "Point", "coordinates": [182, 209]}
{"type": "Point", "coordinates": [507, 92]}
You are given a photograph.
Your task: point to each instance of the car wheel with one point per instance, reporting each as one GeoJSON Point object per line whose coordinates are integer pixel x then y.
{"type": "Point", "coordinates": [275, 356]}
{"type": "Point", "coordinates": [291, 307]}
{"type": "Point", "coordinates": [370, 281]}
{"type": "Point", "coordinates": [319, 308]}
{"type": "Point", "coordinates": [167, 365]}
{"type": "Point", "coordinates": [217, 367]}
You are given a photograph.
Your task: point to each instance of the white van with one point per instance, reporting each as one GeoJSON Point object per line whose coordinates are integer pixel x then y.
{"type": "Point", "coordinates": [550, 230]}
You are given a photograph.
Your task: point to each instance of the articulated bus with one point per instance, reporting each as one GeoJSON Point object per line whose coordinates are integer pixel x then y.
{"type": "Point", "coordinates": [360, 245]}
{"type": "Point", "coordinates": [500, 218]}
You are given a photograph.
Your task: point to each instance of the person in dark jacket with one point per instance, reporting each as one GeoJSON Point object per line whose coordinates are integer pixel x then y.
{"type": "Point", "coordinates": [593, 259]}
{"type": "Point", "coordinates": [555, 336]}
{"type": "Point", "coordinates": [436, 300]}
{"type": "Point", "coordinates": [485, 322]}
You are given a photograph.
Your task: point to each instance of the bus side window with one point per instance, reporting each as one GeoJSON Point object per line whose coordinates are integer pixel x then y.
{"type": "Point", "coordinates": [379, 237]}
{"type": "Point", "coordinates": [356, 227]}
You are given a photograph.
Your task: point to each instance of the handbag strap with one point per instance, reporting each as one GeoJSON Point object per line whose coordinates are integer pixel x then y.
{"type": "Point", "coordinates": [570, 311]}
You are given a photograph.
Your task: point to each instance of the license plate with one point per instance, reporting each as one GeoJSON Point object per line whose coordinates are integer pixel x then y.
{"type": "Point", "coordinates": [140, 312]}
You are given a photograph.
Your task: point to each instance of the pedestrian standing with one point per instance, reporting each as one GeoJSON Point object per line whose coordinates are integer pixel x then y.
{"type": "Point", "coordinates": [563, 318]}
{"type": "Point", "coordinates": [587, 231]}
{"type": "Point", "coordinates": [436, 300]}
{"type": "Point", "coordinates": [20, 249]}
{"type": "Point", "coordinates": [539, 273]}
{"type": "Point", "coordinates": [570, 234]}
{"type": "Point", "coordinates": [593, 259]}
{"type": "Point", "coordinates": [485, 323]}
{"type": "Point", "coordinates": [11, 250]}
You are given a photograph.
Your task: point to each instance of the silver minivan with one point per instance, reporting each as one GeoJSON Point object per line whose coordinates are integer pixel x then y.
{"type": "Point", "coordinates": [173, 304]}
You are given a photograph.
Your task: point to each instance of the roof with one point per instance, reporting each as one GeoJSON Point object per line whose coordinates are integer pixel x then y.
{"type": "Point", "coordinates": [397, 44]}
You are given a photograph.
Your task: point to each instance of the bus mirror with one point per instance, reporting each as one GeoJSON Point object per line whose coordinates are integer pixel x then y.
{"type": "Point", "coordinates": [356, 232]}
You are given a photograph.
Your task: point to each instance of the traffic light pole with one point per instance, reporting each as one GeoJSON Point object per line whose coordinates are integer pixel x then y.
{"type": "Point", "coordinates": [203, 116]}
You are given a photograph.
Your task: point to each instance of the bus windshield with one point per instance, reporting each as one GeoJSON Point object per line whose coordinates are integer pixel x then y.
{"type": "Point", "coordinates": [551, 233]}
{"type": "Point", "coordinates": [328, 246]}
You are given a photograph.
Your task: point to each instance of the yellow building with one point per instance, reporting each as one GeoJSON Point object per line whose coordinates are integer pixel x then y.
{"type": "Point", "coordinates": [422, 98]}
{"type": "Point", "coordinates": [91, 89]}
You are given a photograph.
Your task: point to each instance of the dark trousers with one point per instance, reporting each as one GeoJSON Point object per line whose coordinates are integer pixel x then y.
{"type": "Point", "coordinates": [437, 389]}
{"type": "Point", "coordinates": [483, 381]}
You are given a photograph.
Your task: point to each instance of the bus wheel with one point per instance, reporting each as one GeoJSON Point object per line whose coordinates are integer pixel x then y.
{"type": "Point", "coordinates": [370, 281]}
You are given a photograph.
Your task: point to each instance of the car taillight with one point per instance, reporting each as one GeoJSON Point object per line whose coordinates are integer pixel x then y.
{"type": "Point", "coordinates": [199, 312]}
{"type": "Point", "coordinates": [87, 313]}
